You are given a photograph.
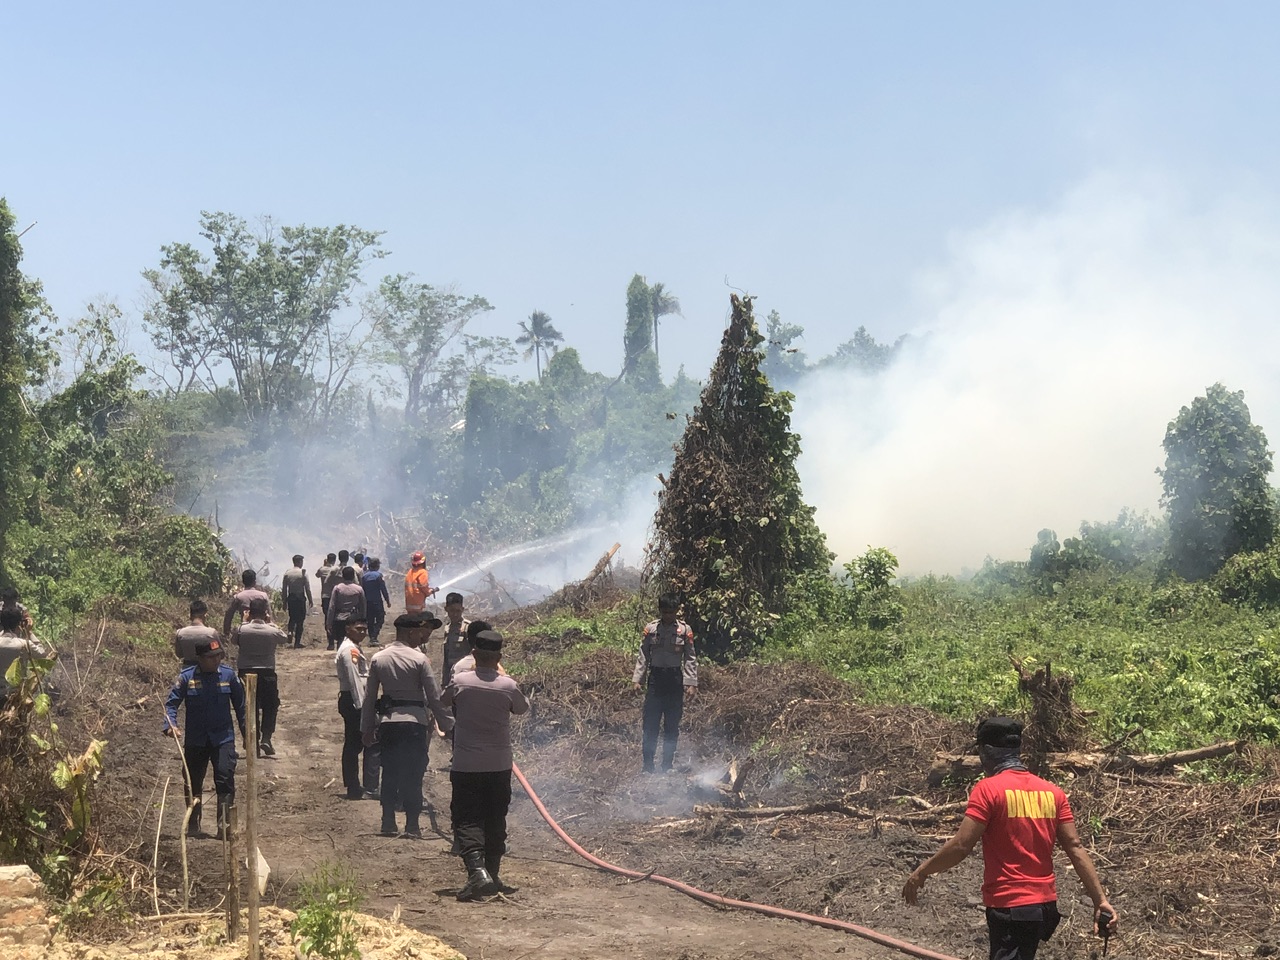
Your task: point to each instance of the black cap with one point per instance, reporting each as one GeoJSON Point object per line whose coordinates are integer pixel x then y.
{"type": "Point", "coordinates": [490, 640]}
{"type": "Point", "coordinates": [1000, 732]}
{"type": "Point", "coordinates": [410, 621]}
{"type": "Point", "coordinates": [204, 649]}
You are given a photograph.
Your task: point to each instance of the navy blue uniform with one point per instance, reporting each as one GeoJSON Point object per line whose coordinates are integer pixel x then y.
{"type": "Point", "coordinates": [210, 736]}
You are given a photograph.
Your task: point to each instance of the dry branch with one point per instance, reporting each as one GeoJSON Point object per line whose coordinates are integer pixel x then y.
{"type": "Point", "coordinates": [956, 765]}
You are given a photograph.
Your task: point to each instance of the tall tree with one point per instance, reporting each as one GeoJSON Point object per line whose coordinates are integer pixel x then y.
{"type": "Point", "coordinates": [1216, 492]}
{"type": "Point", "coordinates": [638, 363]}
{"type": "Point", "coordinates": [783, 363]}
{"type": "Point", "coordinates": [421, 326]}
{"type": "Point", "coordinates": [26, 356]}
{"type": "Point", "coordinates": [538, 336]}
{"type": "Point", "coordinates": [732, 532]}
{"type": "Point", "coordinates": [268, 304]}
{"type": "Point", "coordinates": [663, 304]}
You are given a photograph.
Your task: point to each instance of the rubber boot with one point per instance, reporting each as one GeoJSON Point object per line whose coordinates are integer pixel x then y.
{"type": "Point", "coordinates": [494, 864]}
{"type": "Point", "coordinates": [193, 822]}
{"type": "Point", "coordinates": [479, 883]}
{"type": "Point", "coordinates": [224, 817]}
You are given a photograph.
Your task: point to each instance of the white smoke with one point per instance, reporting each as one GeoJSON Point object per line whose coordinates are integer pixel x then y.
{"type": "Point", "coordinates": [1052, 350]}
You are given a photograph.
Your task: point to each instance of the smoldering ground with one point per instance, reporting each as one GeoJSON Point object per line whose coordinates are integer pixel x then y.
{"type": "Point", "coordinates": [1051, 350]}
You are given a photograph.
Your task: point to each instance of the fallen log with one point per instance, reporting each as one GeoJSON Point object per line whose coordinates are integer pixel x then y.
{"type": "Point", "coordinates": [828, 806]}
{"type": "Point", "coordinates": [968, 766]}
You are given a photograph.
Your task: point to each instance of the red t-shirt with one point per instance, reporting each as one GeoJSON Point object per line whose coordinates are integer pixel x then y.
{"type": "Point", "coordinates": [1021, 813]}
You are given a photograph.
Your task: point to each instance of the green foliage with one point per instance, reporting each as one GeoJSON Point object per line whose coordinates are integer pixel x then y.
{"type": "Point", "coordinates": [325, 926]}
{"type": "Point", "coordinates": [1252, 578]}
{"type": "Point", "coordinates": [637, 339]}
{"type": "Point", "coordinates": [783, 364]}
{"type": "Point", "coordinates": [874, 599]}
{"type": "Point", "coordinates": [538, 335]}
{"type": "Point", "coordinates": [732, 531]}
{"type": "Point", "coordinates": [1215, 484]}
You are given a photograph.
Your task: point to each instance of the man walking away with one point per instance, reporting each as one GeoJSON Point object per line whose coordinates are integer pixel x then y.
{"type": "Point", "coordinates": [1018, 817]}
{"type": "Point", "coordinates": [240, 602]}
{"type": "Point", "coordinates": [353, 677]}
{"type": "Point", "coordinates": [257, 641]}
{"type": "Point", "coordinates": [297, 598]}
{"type": "Point", "coordinates": [668, 662]}
{"type": "Point", "coordinates": [400, 690]}
{"type": "Point", "coordinates": [347, 602]}
{"type": "Point", "coordinates": [483, 701]}
{"type": "Point", "coordinates": [376, 598]}
{"type": "Point", "coordinates": [417, 585]}
{"type": "Point", "coordinates": [456, 643]}
{"type": "Point", "coordinates": [186, 639]}
{"type": "Point", "coordinates": [330, 575]}
{"type": "Point", "coordinates": [211, 691]}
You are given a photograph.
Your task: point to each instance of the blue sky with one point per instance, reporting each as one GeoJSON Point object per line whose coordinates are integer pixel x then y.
{"type": "Point", "coordinates": [1077, 202]}
{"type": "Point", "coordinates": [817, 155]}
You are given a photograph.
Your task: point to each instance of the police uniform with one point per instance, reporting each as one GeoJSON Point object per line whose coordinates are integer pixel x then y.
{"type": "Point", "coordinates": [186, 639]}
{"type": "Point", "coordinates": [297, 597]}
{"type": "Point", "coordinates": [353, 677]}
{"type": "Point", "coordinates": [210, 737]}
{"type": "Point", "coordinates": [483, 702]}
{"type": "Point", "coordinates": [456, 646]}
{"type": "Point", "coordinates": [668, 663]}
{"type": "Point", "coordinates": [257, 641]}
{"type": "Point", "coordinates": [401, 688]}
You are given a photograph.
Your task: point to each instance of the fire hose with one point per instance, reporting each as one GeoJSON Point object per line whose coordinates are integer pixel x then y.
{"type": "Point", "coordinates": [716, 900]}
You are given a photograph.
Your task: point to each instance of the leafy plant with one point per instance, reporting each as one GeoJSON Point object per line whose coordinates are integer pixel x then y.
{"type": "Point", "coordinates": [325, 925]}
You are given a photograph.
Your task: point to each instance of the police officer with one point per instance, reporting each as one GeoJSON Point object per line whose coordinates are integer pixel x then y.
{"type": "Point", "coordinates": [1018, 817]}
{"type": "Point", "coordinates": [330, 575]}
{"type": "Point", "coordinates": [16, 642]}
{"type": "Point", "coordinates": [257, 641]}
{"type": "Point", "coordinates": [353, 679]}
{"type": "Point", "coordinates": [297, 598]}
{"type": "Point", "coordinates": [211, 691]}
{"type": "Point", "coordinates": [240, 602]}
{"type": "Point", "coordinates": [483, 702]}
{"type": "Point", "coordinates": [186, 639]}
{"type": "Point", "coordinates": [456, 642]}
{"type": "Point", "coordinates": [668, 662]}
{"type": "Point", "coordinates": [401, 689]}
{"type": "Point", "coordinates": [347, 602]}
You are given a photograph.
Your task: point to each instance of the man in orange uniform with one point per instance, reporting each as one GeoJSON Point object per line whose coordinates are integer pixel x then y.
{"type": "Point", "coordinates": [1018, 817]}
{"type": "Point", "coordinates": [417, 586]}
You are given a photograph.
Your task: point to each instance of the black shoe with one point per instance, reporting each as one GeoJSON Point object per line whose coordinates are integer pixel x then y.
{"type": "Point", "coordinates": [267, 749]}
{"type": "Point", "coordinates": [648, 766]}
{"type": "Point", "coordinates": [479, 884]}
{"type": "Point", "coordinates": [389, 829]}
{"type": "Point", "coordinates": [355, 794]}
{"type": "Point", "coordinates": [408, 834]}
{"type": "Point", "coordinates": [372, 795]}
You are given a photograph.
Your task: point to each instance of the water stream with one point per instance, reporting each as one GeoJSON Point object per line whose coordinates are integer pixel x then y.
{"type": "Point", "coordinates": [528, 549]}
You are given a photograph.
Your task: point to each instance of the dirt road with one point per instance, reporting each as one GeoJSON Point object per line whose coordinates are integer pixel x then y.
{"type": "Point", "coordinates": [564, 907]}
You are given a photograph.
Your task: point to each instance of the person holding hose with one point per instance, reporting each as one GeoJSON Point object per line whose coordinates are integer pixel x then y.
{"type": "Point", "coordinates": [1018, 817]}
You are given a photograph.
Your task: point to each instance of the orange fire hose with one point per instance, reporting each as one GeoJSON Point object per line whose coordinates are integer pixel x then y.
{"type": "Point", "coordinates": [865, 932]}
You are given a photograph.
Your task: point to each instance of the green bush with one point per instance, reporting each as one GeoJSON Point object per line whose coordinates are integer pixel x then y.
{"type": "Point", "coordinates": [325, 925]}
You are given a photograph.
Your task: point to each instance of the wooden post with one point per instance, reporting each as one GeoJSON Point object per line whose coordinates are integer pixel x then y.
{"type": "Point", "coordinates": [250, 807]}
{"type": "Point", "coordinates": [233, 878]}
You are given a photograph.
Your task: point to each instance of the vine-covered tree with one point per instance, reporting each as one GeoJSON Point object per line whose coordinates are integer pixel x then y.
{"type": "Point", "coordinates": [732, 532]}
{"type": "Point", "coordinates": [538, 335]}
{"type": "Point", "coordinates": [267, 304]}
{"type": "Point", "coordinates": [639, 365]}
{"type": "Point", "coordinates": [662, 304]}
{"type": "Point", "coordinates": [1216, 492]}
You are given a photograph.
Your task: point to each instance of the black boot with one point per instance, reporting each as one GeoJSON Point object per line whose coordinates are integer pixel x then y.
{"type": "Point", "coordinates": [479, 883]}
{"type": "Point", "coordinates": [224, 817]}
{"type": "Point", "coordinates": [193, 821]}
{"type": "Point", "coordinates": [493, 864]}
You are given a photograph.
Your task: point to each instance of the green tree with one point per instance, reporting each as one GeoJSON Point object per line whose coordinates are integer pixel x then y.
{"type": "Point", "coordinates": [662, 304]}
{"type": "Point", "coordinates": [268, 304]}
{"type": "Point", "coordinates": [418, 324]}
{"type": "Point", "coordinates": [1215, 484]}
{"type": "Point", "coordinates": [783, 363]}
{"type": "Point", "coordinates": [25, 357]}
{"type": "Point", "coordinates": [639, 364]}
{"type": "Point", "coordinates": [864, 353]}
{"type": "Point", "coordinates": [732, 532]}
{"type": "Point", "coordinates": [538, 336]}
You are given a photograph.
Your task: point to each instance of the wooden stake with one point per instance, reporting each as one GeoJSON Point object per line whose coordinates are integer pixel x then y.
{"type": "Point", "coordinates": [250, 808]}
{"type": "Point", "coordinates": [233, 877]}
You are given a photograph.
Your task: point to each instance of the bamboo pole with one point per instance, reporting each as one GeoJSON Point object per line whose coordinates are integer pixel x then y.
{"type": "Point", "coordinates": [250, 810]}
{"type": "Point", "coordinates": [233, 878]}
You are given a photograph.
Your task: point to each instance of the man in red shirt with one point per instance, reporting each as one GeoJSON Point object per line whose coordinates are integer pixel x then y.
{"type": "Point", "coordinates": [1018, 817]}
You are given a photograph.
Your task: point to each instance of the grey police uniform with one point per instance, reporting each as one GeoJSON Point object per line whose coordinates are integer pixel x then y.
{"type": "Point", "coordinates": [256, 642]}
{"type": "Point", "coordinates": [668, 662]}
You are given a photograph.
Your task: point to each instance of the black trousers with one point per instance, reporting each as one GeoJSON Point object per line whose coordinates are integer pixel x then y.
{"type": "Point", "coordinates": [1016, 932]}
{"type": "Point", "coordinates": [268, 701]}
{"type": "Point", "coordinates": [663, 707]}
{"type": "Point", "coordinates": [353, 749]}
{"type": "Point", "coordinates": [404, 761]}
{"type": "Point", "coordinates": [375, 619]}
{"type": "Point", "coordinates": [324, 608]}
{"type": "Point", "coordinates": [479, 810]}
{"type": "Point", "coordinates": [297, 607]}
{"type": "Point", "coordinates": [223, 758]}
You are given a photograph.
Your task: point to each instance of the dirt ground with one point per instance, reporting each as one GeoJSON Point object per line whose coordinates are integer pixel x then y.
{"type": "Point", "coordinates": [1190, 866]}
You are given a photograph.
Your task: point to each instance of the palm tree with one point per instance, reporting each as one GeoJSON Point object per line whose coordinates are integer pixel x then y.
{"type": "Point", "coordinates": [664, 304]}
{"type": "Point", "coordinates": [538, 336]}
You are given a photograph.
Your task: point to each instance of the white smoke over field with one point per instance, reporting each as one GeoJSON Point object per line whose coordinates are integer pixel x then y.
{"type": "Point", "coordinates": [1052, 350]}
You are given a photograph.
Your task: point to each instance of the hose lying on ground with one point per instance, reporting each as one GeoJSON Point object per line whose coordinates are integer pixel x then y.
{"type": "Point", "coordinates": [865, 932]}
